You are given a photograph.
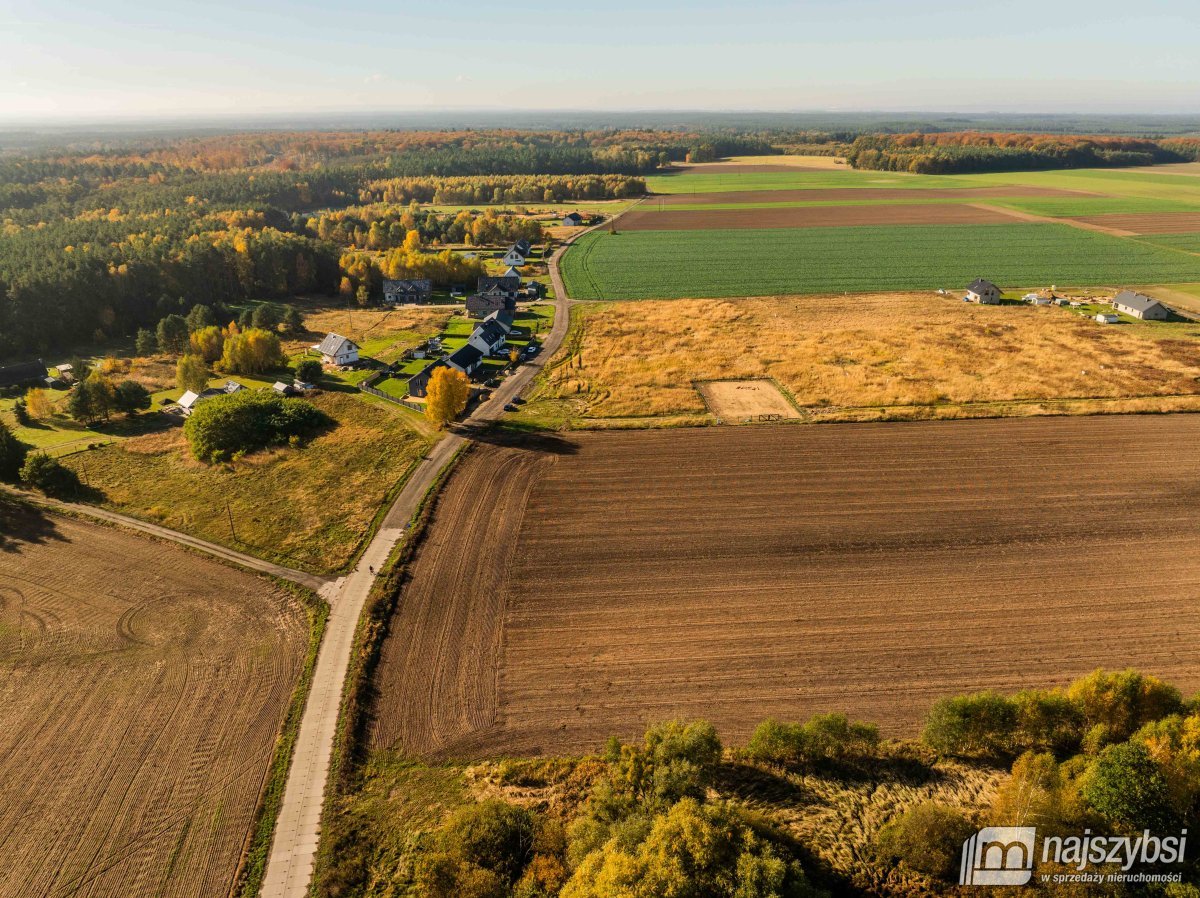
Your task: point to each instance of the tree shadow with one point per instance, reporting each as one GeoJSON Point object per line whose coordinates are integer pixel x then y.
{"type": "Point", "coordinates": [21, 524]}
{"type": "Point", "coordinates": [518, 437]}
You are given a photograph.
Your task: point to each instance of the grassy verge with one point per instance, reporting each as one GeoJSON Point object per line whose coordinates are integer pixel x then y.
{"type": "Point", "coordinates": [258, 849]}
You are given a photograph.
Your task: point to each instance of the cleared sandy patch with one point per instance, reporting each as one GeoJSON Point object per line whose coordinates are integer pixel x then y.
{"type": "Point", "coordinates": [746, 400]}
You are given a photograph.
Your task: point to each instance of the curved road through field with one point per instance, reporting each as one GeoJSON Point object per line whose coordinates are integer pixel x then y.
{"type": "Point", "coordinates": [290, 865]}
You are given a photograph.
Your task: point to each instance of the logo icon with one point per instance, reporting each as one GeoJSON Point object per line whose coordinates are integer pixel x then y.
{"type": "Point", "coordinates": [998, 856]}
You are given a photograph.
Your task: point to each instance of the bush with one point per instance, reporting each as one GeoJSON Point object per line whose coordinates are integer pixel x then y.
{"type": "Point", "coordinates": [246, 421]}
{"type": "Point", "coordinates": [309, 371]}
{"type": "Point", "coordinates": [825, 737]}
{"type": "Point", "coordinates": [12, 455]}
{"type": "Point", "coordinates": [927, 837]}
{"type": "Point", "coordinates": [979, 725]}
{"type": "Point", "coordinates": [1048, 721]}
{"type": "Point", "coordinates": [49, 475]}
{"type": "Point", "coordinates": [1127, 787]}
{"type": "Point", "coordinates": [494, 835]}
{"type": "Point", "coordinates": [1120, 703]}
{"type": "Point", "coordinates": [132, 397]}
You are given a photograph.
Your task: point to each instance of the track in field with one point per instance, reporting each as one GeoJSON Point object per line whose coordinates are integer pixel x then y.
{"type": "Point", "coordinates": [739, 573]}
{"type": "Point", "coordinates": [143, 689]}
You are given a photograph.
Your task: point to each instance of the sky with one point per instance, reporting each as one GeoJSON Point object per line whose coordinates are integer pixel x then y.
{"type": "Point", "coordinates": [109, 61]}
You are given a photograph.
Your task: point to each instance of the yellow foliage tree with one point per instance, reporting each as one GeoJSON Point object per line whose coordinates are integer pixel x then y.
{"type": "Point", "coordinates": [37, 403]}
{"type": "Point", "coordinates": [191, 373]}
{"type": "Point", "coordinates": [252, 352]}
{"type": "Point", "coordinates": [447, 396]}
{"type": "Point", "coordinates": [208, 343]}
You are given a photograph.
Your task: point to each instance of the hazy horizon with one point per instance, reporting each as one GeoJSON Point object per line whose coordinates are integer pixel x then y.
{"type": "Point", "coordinates": [63, 61]}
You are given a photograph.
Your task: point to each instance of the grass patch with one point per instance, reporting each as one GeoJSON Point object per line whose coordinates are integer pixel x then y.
{"type": "Point", "coordinates": [309, 507]}
{"type": "Point", "coordinates": [752, 262]}
{"type": "Point", "coordinates": [717, 182]}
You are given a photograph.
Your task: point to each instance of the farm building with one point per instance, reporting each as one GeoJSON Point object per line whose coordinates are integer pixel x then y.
{"type": "Point", "coordinates": [1139, 305]}
{"type": "Point", "coordinates": [467, 359]}
{"type": "Point", "coordinates": [572, 220]}
{"type": "Point", "coordinates": [66, 372]}
{"type": "Point", "coordinates": [488, 338]}
{"type": "Point", "coordinates": [418, 384]}
{"type": "Point", "coordinates": [283, 389]}
{"type": "Point", "coordinates": [337, 350]}
{"type": "Point", "coordinates": [22, 373]}
{"type": "Point", "coordinates": [983, 292]}
{"type": "Point", "coordinates": [396, 292]}
{"type": "Point", "coordinates": [1107, 318]}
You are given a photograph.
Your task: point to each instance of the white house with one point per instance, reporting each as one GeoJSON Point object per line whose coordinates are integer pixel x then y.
{"type": "Point", "coordinates": [983, 292]}
{"type": "Point", "coordinates": [467, 359]}
{"type": "Point", "coordinates": [190, 399]}
{"type": "Point", "coordinates": [1139, 305]}
{"type": "Point", "coordinates": [488, 338]}
{"type": "Point", "coordinates": [513, 259]}
{"type": "Point", "coordinates": [572, 220]}
{"type": "Point", "coordinates": [337, 350]}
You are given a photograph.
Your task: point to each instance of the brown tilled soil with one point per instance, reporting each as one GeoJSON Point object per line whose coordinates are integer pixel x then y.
{"type": "Point", "coordinates": [843, 194]}
{"type": "Point", "coordinates": [1148, 222]}
{"type": "Point", "coordinates": [810, 217]}
{"type": "Point", "coordinates": [739, 573]}
{"type": "Point", "coordinates": [141, 692]}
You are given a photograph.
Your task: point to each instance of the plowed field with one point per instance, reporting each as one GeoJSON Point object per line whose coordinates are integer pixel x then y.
{"type": "Point", "coordinates": [739, 573]}
{"type": "Point", "coordinates": [812, 217]}
{"type": "Point", "coordinates": [141, 692]}
{"type": "Point", "coordinates": [855, 194]}
{"type": "Point", "coordinates": [1146, 222]}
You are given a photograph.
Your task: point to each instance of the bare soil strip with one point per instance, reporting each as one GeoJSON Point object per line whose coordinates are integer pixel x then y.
{"type": "Point", "coordinates": [1084, 224]}
{"type": "Point", "coordinates": [143, 691]}
{"type": "Point", "coordinates": [811, 217]}
{"type": "Point", "coordinates": [861, 194]}
{"type": "Point", "coordinates": [739, 573]}
{"type": "Point", "coordinates": [736, 401]}
{"type": "Point", "coordinates": [1148, 222]}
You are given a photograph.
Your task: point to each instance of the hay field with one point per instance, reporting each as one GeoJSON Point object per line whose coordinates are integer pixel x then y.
{"type": "Point", "coordinates": [738, 573]}
{"type": "Point", "coordinates": [143, 690]}
{"type": "Point", "coordinates": [839, 354]}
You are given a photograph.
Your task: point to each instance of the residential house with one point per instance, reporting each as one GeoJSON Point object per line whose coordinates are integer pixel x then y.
{"type": "Point", "coordinates": [337, 350]}
{"type": "Point", "coordinates": [517, 253]}
{"type": "Point", "coordinates": [512, 273]}
{"type": "Point", "coordinates": [467, 359]}
{"type": "Point", "coordinates": [1139, 305]}
{"type": "Point", "coordinates": [66, 372]}
{"type": "Point", "coordinates": [502, 317]}
{"type": "Point", "coordinates": [401, 291]}
{"type": "Point", "coordinates": [508, 284]}
{"type": "Point", "coordinates": [483, 304]}
{"type": "Point", "coordinates": [489, 337]}
{"type": "Point", "coordinates": [983, 292]}
{"type": "Point", "coordinates": [572, 220]}
{"type": "Point", "coordinates": [23, 373]}
{"type": "Point", "coordinates": [418, 384]}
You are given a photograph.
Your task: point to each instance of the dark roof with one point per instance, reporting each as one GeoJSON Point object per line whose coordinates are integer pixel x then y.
{"type": "Point", "coordinates": [510, 283]}
{"type": "Point", "coordinates": [503, 317]}
{"type": "Point", "coordinates": [1139, 302]}
{"type": "Point", "coordinates": [427, 372]}
{"type": "Point", "coordinates": [491, 331]}
{"type": "Point", "coordinates": [468, 355]}
{"type": "Point", "coordinates": [333, 343]}
{"type": "Point", "coordinates": [412, 285]}
{"type": "Point", "coordinates": [522, 246]}
{"type": "Point", "coordinates": [574, 216]}
{"type": "Point", "coordinates": [979, 285]}
{"type": "Point", "coordinates": [21, 373]}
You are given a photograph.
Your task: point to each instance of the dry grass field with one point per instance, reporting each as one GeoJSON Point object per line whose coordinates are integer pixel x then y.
{"type": "Point", "coordinates": [142, 692]}
{"type": "Point", "coordinates": [382, 333]}
{"type": "Point", "coordinates": [845, 357]}
{"type": "Point", "coordinates": [738, 573]}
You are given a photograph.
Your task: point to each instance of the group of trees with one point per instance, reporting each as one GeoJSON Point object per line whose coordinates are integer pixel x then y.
{"type": "Point", "coordinates": [646, 828]}
{"type": "Point", "coordinates": [385, 226]}
{"type": "Point", "coordinates": [37, 470]}
{"type": "Point", "coordinates": [227, 427]}
{"type": "Point", "coordinates": [526, 188]}
{"type": "Point", "coordinates": [960, 152]}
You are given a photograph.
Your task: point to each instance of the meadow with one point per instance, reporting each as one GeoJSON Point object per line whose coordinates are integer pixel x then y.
{"type": "Point", "coordinates": [718, 262]}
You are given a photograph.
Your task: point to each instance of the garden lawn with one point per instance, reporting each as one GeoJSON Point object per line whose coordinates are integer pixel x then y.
{"type": "Point", "coordinates": [753, 262]}
{"type": "Point", "coordinates": [309, 507]}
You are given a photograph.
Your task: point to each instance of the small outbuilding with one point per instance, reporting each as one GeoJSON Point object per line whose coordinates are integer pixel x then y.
{"type": "Point", "coordinates": [1139, 305]}
{"type": "Point", "coordinates": [572, 220]}
{"type": "Point", "coordinates": [983, 292]}
{"type": "Point", "coordinates": [1107, 318]}
{"type": "Point", "coordinates": [337, 350]}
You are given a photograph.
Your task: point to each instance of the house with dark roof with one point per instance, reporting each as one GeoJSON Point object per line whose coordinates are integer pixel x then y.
{"type": "Point", "coordinates": [572, 220]}
{"type": "Point", "coordinates": [396, 292]}
{"type": "Point", "coordinates": [1139, 305]}
{"type": "Point", "coordinates": [489, 337]}
{"type": "Point", "coordinates": [502, 317]}
{"type": "Point", "coordinates": [983, 292]}
{"type": "Point", "coordinates": [337, 350]}
{"type": "Point", "coordinates": [508, 284]}
{"type": "Point", "coordinates": [23, 373]}
{"type": "Point", "coordinates": [483, 304]}
{"type": "Point", "coordinates": [418, 384]}
{"type": "Point", "coordinates": [517, 253]}
{"type": "Point", "coordinates": [467, 359]}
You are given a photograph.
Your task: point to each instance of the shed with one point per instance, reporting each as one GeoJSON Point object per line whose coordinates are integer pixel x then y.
{"type": "Point", "coordinates": [1107, 318]}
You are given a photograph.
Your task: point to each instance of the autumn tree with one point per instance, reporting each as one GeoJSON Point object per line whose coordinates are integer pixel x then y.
{"type": "Point", "coordinates": [172, 334]}
{"type": "Point", "coordinates": [37, 403]}
{"type": "Point", "coordinates": [447, 396]}
{"type": "Point", "coordinates": [252, 351]}
{"type": "Point", "coordinates": [191, 373]}
{"type": "Point", "coordinates": [207, 342]}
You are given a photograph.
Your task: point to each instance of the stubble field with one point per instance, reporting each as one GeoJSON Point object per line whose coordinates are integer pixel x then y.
{"type": "Point", "coordinates": [141, 693]}
{"type": "Point", "coordinates": [738, 573]}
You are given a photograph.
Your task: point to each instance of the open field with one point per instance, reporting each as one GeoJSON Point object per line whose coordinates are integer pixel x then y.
{"type": "Point", "coordinates": [846, 357]}
{"type": "Point", "coordinates": [745, 399]}
{"type": "Point", "coordinates": [309, 507]}
{"type": "Point", "coordinates": [839, 195]}
{"type": "Point", "coordinates": [681, 219]}
{"type": "Point", "coordinates": [784, 571]}
{"type": "Point", "coordinates": [143, 691]}
{"type": "Point", "coordinates": [1150, 222]}
{"type": "Point", "coordinates": [380, 333]}
{"type": "Point", "coordinates": [750, 262]}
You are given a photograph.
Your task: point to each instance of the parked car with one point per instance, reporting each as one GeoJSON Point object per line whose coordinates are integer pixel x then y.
{"type": "Point", "coordinates": [510, 408]}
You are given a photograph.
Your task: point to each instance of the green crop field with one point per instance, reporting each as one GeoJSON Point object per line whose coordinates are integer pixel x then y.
{"type": "Point", "coordinates": [800, 180]}
{"type": "Point", "coordinates": [1189, 243]}
{"type": "Point", "coordinates": [717, 263]}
